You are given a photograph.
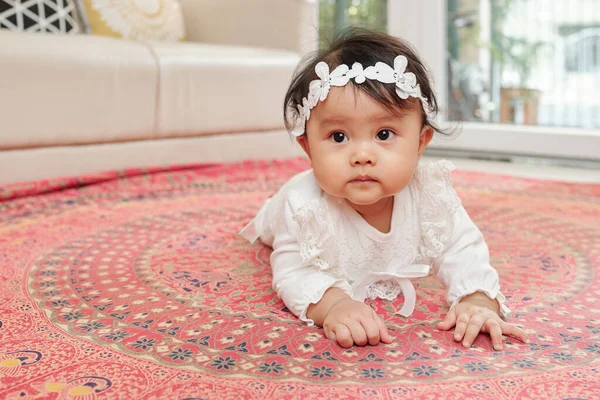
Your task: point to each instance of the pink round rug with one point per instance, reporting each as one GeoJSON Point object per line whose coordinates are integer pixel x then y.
{"type": "Point", "coordinates": [135, 286]}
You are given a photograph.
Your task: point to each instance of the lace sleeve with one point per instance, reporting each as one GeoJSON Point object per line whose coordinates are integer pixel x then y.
{"type": "Point", "coordinates": [315, 235]}
{"type": "Point", "coordinates": [438, 203]}
{"type": "Point", "coordinates": [300, 262]}
{"type": "Point", "coordinates": [451, 240]}
{"type": "Point", "coordinates": [464, 266]}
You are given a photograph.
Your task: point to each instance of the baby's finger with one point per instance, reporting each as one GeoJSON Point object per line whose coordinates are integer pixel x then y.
{"type": "Point", "coordinates": [473, 329]}
{"type": "Point", "coordinates": [342, 335]}
{"type": "Point", "coordinates": [448, 322]}
{"type": "Point", "coordinates": [384, 334]}
{"type": "Point", "coordinates": [358, 332]}
{"type": "Point", "coordinates": [329, 333]}
{"type": "Point", "coordinates": [371, 329]}
{"type": "Point", "coordinates": [461, 327]}
{"type": "Point", "coordinates": [513, 330]}
{"type": "Point", "coordinates": [493, 328]}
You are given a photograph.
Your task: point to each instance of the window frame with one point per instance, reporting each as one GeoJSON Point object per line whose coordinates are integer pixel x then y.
{"type": "Point", "coordinates": [423, 24]}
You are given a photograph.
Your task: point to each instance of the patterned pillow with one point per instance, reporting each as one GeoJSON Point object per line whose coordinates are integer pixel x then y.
{"type": "Point", "coordinates": [55, 16]}
{"type": "Point", "coordinates": [134, 19]}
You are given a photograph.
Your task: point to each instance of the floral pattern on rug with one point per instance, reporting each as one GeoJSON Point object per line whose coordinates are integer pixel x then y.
{"type": "Point", "coordinates": [136, 285]}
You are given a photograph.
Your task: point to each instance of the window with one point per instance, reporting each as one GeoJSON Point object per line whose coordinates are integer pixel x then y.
{"type": "Point", "coordinates": [500, 66]}
{"type": "Point", "coordinates": [522, 75]}
{"type": "Point", "coordinates": [503, 56]}
{"type": "Point", "coordinates": [581, 50]}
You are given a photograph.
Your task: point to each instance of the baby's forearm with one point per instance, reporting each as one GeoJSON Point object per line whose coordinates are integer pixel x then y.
{"type": "Point", "coordinates": [317, 312]}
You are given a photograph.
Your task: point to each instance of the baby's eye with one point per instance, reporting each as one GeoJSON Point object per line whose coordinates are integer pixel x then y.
{"type": "Point", "coordinates": [339, 137]}
{"type": "Point", "coordinates": [385, 134]}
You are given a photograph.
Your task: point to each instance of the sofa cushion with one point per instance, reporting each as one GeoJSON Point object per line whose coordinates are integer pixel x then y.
{"type": "Point", "coordinates": [134, 19]}
{"type": "Point", "coordinates": [85, 89]}
{"type": "Point", "coordinates": [208, 89]}
{"type": "Point", "coordinates": [73, 89]}
{"type": "Point", "coordinates": [53, 16]}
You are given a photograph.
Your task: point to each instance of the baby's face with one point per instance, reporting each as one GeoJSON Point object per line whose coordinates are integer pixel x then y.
{"type": "Point", "coordinates": [359, 150]}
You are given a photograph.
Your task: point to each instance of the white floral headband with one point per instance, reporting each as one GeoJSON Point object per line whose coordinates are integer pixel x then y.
{"type": "Point", "coordinates": [406, 84]}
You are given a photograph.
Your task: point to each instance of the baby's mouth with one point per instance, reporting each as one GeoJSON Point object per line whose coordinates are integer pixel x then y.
{"type": "Point", "coordinates": [363, 179]}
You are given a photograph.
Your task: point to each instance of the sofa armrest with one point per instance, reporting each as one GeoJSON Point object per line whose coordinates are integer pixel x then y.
{"type": "Point", "coordinates": [283, 24]}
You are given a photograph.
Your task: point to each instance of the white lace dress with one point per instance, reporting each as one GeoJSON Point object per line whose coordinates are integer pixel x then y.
{"type": "Point", "coordinates": [320, 242]}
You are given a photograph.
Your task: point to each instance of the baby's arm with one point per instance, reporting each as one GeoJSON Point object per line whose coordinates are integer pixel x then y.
{"type": "Point", "coordinates": [317, 297]}
{"type": "Point", "coordinates": [473, 287]}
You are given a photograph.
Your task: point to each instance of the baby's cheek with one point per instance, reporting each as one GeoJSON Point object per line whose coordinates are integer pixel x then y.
{"type": "Point", "coordinates": [398, 179]}
{"type": "Point", "coordinates": [329, 181]}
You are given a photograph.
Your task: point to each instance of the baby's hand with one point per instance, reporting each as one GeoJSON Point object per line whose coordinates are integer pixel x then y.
{"type": "Point", "coordinates": [349, 321]}
{"type": "Point", "coordinates": [478, 313]}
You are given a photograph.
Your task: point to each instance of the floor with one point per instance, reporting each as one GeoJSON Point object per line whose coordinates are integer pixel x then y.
{"type": "Point", "coordinates": [528, 168]}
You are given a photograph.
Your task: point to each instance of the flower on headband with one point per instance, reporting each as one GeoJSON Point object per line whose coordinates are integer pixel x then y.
{"type": "Point", "coordinates": [406, 83]}
{"type": "Point", "coordinates": [357, 72]}
{"type": "Point", "coordinates": [381, 72]}
{"type": "Point", "coordinates": [299, 130]}
{"type": "Point", "coordinates": [303, 116]}
{"type": "Point", "coordinates": [305, 111]}
{"type": "Point", "coordinates": [321, 87]}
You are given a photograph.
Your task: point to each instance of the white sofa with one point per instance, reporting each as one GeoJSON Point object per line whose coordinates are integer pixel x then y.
{"type": "Point", "coordinates": [76, 104]}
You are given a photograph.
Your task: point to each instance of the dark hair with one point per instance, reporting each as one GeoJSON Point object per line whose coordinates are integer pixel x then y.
{"type": "Point", "coordinates": [366, 47]}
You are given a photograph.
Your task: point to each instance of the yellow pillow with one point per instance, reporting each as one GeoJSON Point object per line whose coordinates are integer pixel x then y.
{"type": "Point", "coordinates": [135, 19]}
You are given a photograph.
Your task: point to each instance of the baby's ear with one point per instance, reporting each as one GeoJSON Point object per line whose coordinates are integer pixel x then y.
{"type": "Point", "coordinates": [425, 138]}
{"type": "Point", "coordinates": [303, 142]}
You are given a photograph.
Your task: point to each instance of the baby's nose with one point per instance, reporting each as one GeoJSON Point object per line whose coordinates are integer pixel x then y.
{"type": "Point", "coordinates": [363, 156]}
